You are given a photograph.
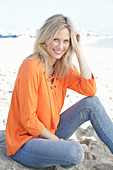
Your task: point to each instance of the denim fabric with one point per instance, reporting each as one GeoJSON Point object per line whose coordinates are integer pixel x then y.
{"type": "Point", "coordinates": [40, 153]}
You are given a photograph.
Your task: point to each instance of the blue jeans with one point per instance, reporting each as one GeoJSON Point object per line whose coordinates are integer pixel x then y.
{"type": "Point", "coordinates": [39, 153]}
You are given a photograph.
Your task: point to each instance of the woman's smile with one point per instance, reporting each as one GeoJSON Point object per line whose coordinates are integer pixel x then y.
{"type": "Point", "coordinates": [58, 52]}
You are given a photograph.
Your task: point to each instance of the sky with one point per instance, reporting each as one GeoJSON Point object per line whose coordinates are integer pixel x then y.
{"type": "Point", "coordinates": [90, 15]}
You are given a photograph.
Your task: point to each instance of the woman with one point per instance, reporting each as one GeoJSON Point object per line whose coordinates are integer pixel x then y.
{"type": "Point", "coordinates": [37, 135]}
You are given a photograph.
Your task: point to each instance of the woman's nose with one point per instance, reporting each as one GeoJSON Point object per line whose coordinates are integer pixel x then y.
{"type": "Point", "coordinates": [60, 45]}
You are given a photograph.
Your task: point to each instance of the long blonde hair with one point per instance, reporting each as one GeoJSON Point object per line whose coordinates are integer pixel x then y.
{"type": "Point", "coordinates": [46, 34]}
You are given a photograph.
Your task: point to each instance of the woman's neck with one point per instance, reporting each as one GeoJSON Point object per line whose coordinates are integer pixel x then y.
{"type": "Point", "coordinates": [50, 70]}
{"type": "Point", "coordinates": [51, 67]}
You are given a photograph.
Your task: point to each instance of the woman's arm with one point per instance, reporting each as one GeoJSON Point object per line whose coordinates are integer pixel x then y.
{"type": "Point", "coordinates": [46, 134]}
{"type": "Point", "coordinates": [84, 68]}
{"type": "Point", "coordinates": [83, 82]}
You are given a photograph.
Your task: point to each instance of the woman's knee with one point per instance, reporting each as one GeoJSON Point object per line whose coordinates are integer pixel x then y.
{"type": "Point", "coordinates": [76, 153]}
{"type": "Point", "coordinates": [93, 101]}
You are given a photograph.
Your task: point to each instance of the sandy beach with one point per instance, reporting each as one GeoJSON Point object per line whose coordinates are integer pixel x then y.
{"type": "Point", "coordinates": [100, 60]}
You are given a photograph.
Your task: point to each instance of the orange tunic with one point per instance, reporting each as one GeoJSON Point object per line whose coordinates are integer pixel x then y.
{"type": "Point", "coordinates": [36, 103]}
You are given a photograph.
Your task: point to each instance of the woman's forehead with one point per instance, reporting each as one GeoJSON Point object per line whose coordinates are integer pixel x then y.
{"type": "Point", "coordinates": [63, 32]}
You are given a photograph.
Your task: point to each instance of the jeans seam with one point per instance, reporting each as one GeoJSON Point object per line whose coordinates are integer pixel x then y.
{"type": "Point", "coordinates": [101, 129]}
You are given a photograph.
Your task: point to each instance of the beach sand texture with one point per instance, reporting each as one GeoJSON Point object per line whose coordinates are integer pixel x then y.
{"type": "Point", "coordinates": [100, 60]}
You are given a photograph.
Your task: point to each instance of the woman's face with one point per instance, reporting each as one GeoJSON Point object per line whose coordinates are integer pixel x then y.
{"type": "Point", "coordinates": [59, 45]}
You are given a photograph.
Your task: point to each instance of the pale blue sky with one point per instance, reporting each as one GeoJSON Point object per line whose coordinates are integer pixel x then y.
{"type": "Point", "coordinates": [94, 15]}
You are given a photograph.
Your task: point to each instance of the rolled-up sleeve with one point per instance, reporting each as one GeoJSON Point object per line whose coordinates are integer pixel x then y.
{"type": "Point", "coordinates": [28, 99]}
{"type": "Point", "coordinates": [80, 84]}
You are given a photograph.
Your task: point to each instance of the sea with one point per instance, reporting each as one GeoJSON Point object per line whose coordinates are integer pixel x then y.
{"type": "Point", "coordinates": [101, 42]}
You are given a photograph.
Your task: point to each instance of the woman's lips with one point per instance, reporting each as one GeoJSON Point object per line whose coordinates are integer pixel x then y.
{"type": "Point", "coordinates": [58, 52]}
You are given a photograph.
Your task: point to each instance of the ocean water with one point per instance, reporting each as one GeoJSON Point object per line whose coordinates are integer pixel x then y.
{"type": "Point", "coordinates": [101, 42]}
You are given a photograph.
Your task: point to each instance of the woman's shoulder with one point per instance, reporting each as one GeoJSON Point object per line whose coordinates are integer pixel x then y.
{"type": "Point", "coordinates": [30, 65]}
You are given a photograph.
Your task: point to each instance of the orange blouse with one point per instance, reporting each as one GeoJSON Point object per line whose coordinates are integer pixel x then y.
{"type": "Point", "coordinates": [36, 102]}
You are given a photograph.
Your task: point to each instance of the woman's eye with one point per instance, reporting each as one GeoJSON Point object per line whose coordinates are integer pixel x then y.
{"type": "Point", "coordinates": [55, 39]}
{"type": "Point", "coordinates": [66, 41]}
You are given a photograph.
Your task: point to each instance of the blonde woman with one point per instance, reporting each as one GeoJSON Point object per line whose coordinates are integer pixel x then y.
{"type": "Point", "coordinates": [37, 135]}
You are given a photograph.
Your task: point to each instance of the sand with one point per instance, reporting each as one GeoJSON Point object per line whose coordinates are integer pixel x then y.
{"type": "Point", "coordinates": [13, 51]}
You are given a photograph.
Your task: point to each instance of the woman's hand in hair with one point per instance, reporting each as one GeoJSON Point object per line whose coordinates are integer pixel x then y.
{"type": "Point", "coordinates": [84, 68]}
{"type": "Point", "coordinates": [79, 39]}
